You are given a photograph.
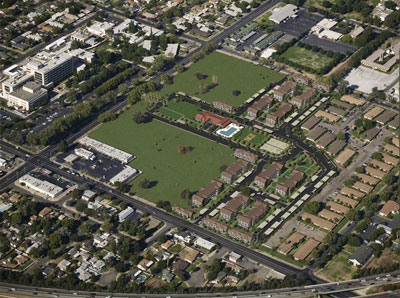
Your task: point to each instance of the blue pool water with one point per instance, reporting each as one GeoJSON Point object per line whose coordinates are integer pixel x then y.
{"type": "Point", "coordinates": [228, 132]}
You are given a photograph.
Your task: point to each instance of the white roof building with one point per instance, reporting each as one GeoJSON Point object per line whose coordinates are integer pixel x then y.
{"type": "Point", "coordinates": [43, 187]}
{"type": "Point", "coordinates": [99, 28]}
{"type": "Point", "coordinates": [105, 149]}
{"type": "Point", "coordinates": [203, 243]}
{"type": "Point", "coordinates": [125, 213]}
{"type": "Point", "coordinates": [126, 175]}
{"type": "Point", "coordinates": [283, 13]}
{"type": "Point", "coordinates": [172, 50]}
{"type": "Point", "coordinates": [86, 154]}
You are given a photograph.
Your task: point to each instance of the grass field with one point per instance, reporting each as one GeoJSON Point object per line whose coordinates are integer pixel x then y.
{"type": "Point", "coordinates": [231, 73]}
{"type": "Point", "coordinates": [181, 109]}
{"type": "Point", "coordinates": [155, 146]}
{"type": "Point", "coordinates": [306, 57]}
{"type": "Point", "coordinates": [339, 268]}
{"type": "Point", "coordinates": [252, 137]}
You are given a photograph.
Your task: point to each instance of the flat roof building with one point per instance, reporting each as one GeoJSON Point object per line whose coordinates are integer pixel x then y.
{"type": "Point", "coordinates": [30, 96]}
{"type": "Point", "coordinates": [283, 13]}
{"type": "Point", "coordinates": [41, 186]}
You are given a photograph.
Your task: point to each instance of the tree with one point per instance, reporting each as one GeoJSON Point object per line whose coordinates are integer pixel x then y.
{"type": "Point", "coordinates": [166, 79]}
{"type": "Point", "coordinates": [62, 146]}
{"type": "Point", "coordinates": [342, 87]}
{"type": "Point", "coordinates": [388, 179]}
{"type": "Point", "coordinates": [185, 194]}
{"type": "Point", "coordinates": [179, 68]}
{"type": "Point", "coordinates": [55, 240]}
{"type": "Point", "coordinates": [236, 92]}
{"type": "Point", "coordinates": [77, 193]}
{"type": "Point", "coordinates": [377, 156]}
{"type": "Point", "coordinates": [354, 241]}
{"type": "Point", "coordinates": [313, 207]}
{"type": "Point", "coordinates": [353, 215]}
{"type": "Point", "coordinates": [138, 117]}
{"type": "Point", "coordinates": [123, 88]}
{"type": "Point", "coordinates": [144, 183]}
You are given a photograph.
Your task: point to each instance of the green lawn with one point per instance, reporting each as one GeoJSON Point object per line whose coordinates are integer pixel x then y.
{"type": "Point", "coordinates": [306, 57]}
{"type": "Point", "coordinates": [231, 74]}
{"type": "Point", "coordinates": [177, 110]}
{"type": "Point", "coordinates": [339, 268]}
{"type": "Point", "coordinates": [258, 138]}
{"type": "Point", "coordinates": [155, 146]}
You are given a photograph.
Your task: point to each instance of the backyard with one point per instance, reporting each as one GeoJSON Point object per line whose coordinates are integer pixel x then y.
{"type": "Point", "coordinates": [217, 76]}
{"type": "Point", "coordinates": [155, 146]}
{"type": "Point", "coordinates": [307, 58]}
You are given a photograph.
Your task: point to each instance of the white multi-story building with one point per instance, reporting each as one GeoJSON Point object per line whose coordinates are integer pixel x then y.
{"type": "Point", "coordinates": [28, 97]}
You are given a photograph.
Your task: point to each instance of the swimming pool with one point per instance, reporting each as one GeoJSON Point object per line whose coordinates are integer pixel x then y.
{"type": "Point", "coordinates": [229, 131]}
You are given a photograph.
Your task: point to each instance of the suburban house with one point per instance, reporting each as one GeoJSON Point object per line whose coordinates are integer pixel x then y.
{"type": "Point", "coordinates": [213, 119]}
{"type": "Point", "coordinates": [242, 236]}
{"type": "Point", "coordinates": [269, 173]}
{"type": "Point", "coordinates": [260, 105]}
{"type": "Point", "coordinates": [301, 79]}
{"type": "Point", "coordinates": [246, 155]}
{"type": "Point", "coordinates": [321, 86]}
{"type": "Point", "coordinates": [201, 197]}
{"type": "Point", "coordinates": [233, 206]}
{"type": "Point", "coordinates": [361, 255]}
{"type": "Point", "coordinates": [286, 89]}
{"type": "Point", "coordinates": [273, 118]}
{"type": "Point", "coordinates": [234, 170]}
{"type": "Point", "coordinates": [286, 187]}
{"type": "Point", "coordinates": [215, 224]}
{"type": "Point", "coordinates": [257, 211]}
{"type": "Point", "coordinates": [303, 99]}
{"type": "Point", "coordinates": [390, 207]}
{"type": "Point", "coordinates": [182, 211]}
{"type": "Point", "coordinates": [226, 107]}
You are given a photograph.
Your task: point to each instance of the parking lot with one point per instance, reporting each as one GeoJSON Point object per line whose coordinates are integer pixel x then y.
{"type": "Point", "coordinates": [304, 22]}
{"type": "Point", "coordinates": [101, 168]}
{"type": "Point", "coordinates": [328, 45]}
{"type": "Point", "coordinates": [364, 79]}
{"type": "Point", "coordinates": [45, 120]}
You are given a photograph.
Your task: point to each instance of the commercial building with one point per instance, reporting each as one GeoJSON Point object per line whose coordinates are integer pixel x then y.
{"type": "Point", "coordinates": [54, 70]}
{"type": "Point", "coordinates": [125, 176]}
{"type": "Point", "coordinates": [86, 154]}
{"type": "Point", "coordinates": [203, 243]}
{"type": "Point", "coordinates": [107, 150]}
{"type": "Point", "coordinates": [43, 187]}
{"type": "Point", "coordinates": [27, 98]}
{"type": "Point", "coordinates": [281, 14]}
{"type": "Point", "coordinates": [124, 214]}
{"type": "Point", "coordinates": [383, 60]}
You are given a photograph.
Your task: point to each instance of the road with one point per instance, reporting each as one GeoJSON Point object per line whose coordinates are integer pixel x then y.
{"type": "Point", "coordinates": [339, 289]}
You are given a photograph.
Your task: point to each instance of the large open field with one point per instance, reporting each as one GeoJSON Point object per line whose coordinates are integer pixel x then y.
{"type": "Point", "coordinates": [155, 146]}
{"type": "Point", "coordinates": [307, 58]}
{"type": "Point", "coordinates": [181, 109]}
{"type": "Point", "coordinates": [230, 73]}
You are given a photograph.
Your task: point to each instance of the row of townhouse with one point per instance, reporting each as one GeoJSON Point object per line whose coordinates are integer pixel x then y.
{"type": "Point", "coordinates": [286, 187]}
{"type": "Point", "coordinates": [267, 174]}
{"type": "Point", "coordinates": [224, 228]}
{"type": "Point", "coordinates": [234, 205]}
{"type": "Point", "coordinates": [247, 220]}
{"type": "Point", "coordinates": [234, 170]}
{"type": "Point", "coordinates": [210, 191]}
